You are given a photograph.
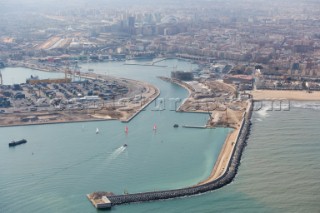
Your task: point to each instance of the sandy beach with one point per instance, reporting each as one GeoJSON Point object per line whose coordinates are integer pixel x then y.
{"type": "Point", "coordinates": [223, 159]}
{"type": "Point", "coordinates": [285, 94]}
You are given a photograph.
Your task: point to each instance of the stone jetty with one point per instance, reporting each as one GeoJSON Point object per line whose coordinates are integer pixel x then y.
{"type": "Point", "coordinates": [223, 180]}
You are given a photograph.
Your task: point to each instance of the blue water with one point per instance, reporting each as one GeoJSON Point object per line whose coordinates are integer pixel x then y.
{"type": "Point", "coordinates": [61, 163]}
{"type": "Point", "coordinates": [279, 170]}
{"type": "Point", "coordinates": [16, 75]}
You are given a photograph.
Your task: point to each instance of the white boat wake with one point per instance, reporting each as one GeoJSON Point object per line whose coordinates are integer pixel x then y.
{"type": "Point", "coordinates": [116, 153]}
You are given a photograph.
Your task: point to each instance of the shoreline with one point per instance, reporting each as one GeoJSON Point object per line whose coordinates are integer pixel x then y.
{"type": "Point", "coordinates": [292, 95]}
{"type": "Point", "coordinates": [57, 122]}
{"type": "Point", "coordinates": [179, 83]}
{"type": "Point", "coordinates": [225, 154]}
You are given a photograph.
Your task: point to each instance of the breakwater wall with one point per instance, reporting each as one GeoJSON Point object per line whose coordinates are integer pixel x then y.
{"type": "Point", "coordinates": [152, 65]}
{"type": "Point", "coordinates": [223, 180]}
{"type": "Point", "coordinates": [196, 127]}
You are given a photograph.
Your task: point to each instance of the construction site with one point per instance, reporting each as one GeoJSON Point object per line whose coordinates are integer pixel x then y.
{"type": "Point", "coordinates": [223, 103]}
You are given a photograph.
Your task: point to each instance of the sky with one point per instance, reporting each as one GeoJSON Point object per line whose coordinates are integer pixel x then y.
{"type": "Point", "coordinates": [53, 5]}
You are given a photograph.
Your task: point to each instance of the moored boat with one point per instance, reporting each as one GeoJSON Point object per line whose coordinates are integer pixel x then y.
{"type": "Point", "coordinates": [15, 143]}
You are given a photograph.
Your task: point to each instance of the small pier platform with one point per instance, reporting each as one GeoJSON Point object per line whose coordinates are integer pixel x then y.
{"type": "Point", "coordinates": [100, 200]}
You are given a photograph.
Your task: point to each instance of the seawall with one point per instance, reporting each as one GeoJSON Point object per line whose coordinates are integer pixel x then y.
{"type": "Point", "coordinates": [223, 180]}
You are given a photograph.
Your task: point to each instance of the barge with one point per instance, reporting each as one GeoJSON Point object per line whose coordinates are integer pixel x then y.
{"type": "Point", "coordinates": [15, 143]}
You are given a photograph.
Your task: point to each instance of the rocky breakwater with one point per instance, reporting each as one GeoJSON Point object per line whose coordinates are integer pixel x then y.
{"type": "Point", "coordinates": [223, 180]}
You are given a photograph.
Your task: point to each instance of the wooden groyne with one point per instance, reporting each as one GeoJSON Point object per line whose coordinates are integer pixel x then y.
{"type": "Point", "coordinates": [223, 180]}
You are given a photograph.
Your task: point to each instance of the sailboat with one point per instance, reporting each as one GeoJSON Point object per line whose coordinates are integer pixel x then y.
{"type": "Point", "coordinates": [154, 127]}
{"type": "Point", "coordinates": [97, 131]}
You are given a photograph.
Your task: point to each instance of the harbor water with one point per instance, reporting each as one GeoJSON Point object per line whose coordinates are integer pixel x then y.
{"type": "Point", "coordinates": [61, 163]}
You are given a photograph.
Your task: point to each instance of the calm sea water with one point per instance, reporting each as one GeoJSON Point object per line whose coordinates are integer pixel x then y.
{"type": "Point", "coordinates": [279, 170]}
{"type": "Point", "coordinates": [61, 163]}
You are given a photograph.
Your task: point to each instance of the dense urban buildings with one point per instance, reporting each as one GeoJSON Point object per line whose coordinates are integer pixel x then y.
{"type": "Point", "coordinates": [191, 79]}
{"type": "Point", "coordinates": [282, 37]}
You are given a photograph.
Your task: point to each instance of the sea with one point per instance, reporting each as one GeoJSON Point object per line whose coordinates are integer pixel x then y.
{"type": "Point", "coordinates": [61, 163]}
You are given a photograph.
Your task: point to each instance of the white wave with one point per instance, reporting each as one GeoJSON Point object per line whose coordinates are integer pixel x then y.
{"type": "Point", "coordinates": [264, 111]}
{"type": "Point", "coordinates": [315, 105]}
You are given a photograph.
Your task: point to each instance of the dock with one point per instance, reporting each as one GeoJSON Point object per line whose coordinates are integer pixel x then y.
{"type": "Point", "coordinates": [197, 127]}
{"type": "Point", "coordinates": [151, 65]}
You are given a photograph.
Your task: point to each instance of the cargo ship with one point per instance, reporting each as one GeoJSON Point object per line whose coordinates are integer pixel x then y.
{"type": "Point", "coordinates": [15, 143]}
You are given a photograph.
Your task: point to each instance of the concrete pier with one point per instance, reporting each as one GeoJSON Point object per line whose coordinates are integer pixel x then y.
{"type": "Point", "coordinates": [152, 65]}
{"type": "Point", "coordinates": [197, 127]}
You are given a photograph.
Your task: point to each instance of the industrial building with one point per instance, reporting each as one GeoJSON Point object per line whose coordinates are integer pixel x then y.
{"type": "Point", "coordinates": [181, 75]}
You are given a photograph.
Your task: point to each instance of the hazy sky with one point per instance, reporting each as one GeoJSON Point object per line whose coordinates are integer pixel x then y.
{"type": "Point", "coordinates": [53, 5]}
